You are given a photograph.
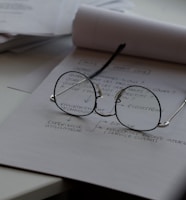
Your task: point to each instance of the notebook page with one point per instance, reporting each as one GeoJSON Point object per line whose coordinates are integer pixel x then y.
{"type": "Point", "coordinates": [95, 149]}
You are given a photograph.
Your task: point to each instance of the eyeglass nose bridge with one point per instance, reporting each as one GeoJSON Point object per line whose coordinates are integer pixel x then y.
{"type": "Point", "coordinates": [100, 95]}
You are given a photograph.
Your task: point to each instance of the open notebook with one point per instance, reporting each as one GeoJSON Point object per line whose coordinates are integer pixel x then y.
{"type": "Point", "coordinates": [95, 149]}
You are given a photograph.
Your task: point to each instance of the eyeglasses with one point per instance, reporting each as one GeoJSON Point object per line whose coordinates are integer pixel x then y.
{"type": "Point", "coordinates": [136, 107]}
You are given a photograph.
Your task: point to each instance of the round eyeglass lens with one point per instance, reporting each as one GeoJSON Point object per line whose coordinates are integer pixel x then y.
{"type": "Point", "coordinates": [75, 94]}
{"type": "Point", "coordinates": [138, 108]}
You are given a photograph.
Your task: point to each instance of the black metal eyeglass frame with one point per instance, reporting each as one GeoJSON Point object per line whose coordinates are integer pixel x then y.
{"type": "Point", "coordinates": [118, 50]}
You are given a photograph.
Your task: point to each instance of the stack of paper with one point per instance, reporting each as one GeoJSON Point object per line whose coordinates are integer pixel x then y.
{"type": "Point", "coordinates": [24, 23]}
{"type": "Point", "coordinates": [12, 42]}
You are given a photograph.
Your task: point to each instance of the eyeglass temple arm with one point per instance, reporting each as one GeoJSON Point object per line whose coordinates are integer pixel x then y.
{"type": "Point", "coordinates": [118, 50]}
{"type": "Point", "coordinates": [166, 123]}
{"type": "Point", "coordinates": [52, 97]}
{"type": "Point", "coordinates": [58, 94]}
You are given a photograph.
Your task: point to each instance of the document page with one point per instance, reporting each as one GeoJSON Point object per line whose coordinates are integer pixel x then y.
{"type": "Point", "coordinates": [96, 149]}
{"type": "Point", "coordinates": [29, 16]}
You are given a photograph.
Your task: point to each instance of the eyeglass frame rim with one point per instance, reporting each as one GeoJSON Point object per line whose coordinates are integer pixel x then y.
{"type": "Point", "coordinates": [95, 93]}
{"type": "Point", "coordinates": [159, 104]}
{"type": "Point", "coordinates": [115, 104]}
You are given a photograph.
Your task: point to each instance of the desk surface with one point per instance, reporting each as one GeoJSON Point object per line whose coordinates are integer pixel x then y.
{"type": "Point", "coordinates": [17, 184]}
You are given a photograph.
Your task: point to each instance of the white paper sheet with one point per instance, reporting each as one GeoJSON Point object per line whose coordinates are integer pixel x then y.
{"type": "Point", "coordinates": [100, 29]}
{"type": "Point", "coordinates": [29, 17]}
{"type": "Point", "coordinates": [98, 150]}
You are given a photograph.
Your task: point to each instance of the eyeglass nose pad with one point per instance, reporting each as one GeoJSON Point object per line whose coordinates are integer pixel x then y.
{"type": "Point", "coordinates": [117, 97]}
{"type": "Point", "coordinates": [100, 94]}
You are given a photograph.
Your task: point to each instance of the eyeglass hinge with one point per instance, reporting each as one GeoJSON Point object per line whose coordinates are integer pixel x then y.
{"type": "Point", "coordinates": [52, 98]}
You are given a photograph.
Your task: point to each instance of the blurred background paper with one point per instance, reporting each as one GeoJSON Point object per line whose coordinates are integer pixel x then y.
{"type": "Point", "coordinates": [33, 17]}
{"type": "Point", "coordinates": [29, 17]}
{"type": "Point", "coordinates": [170, 11]}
